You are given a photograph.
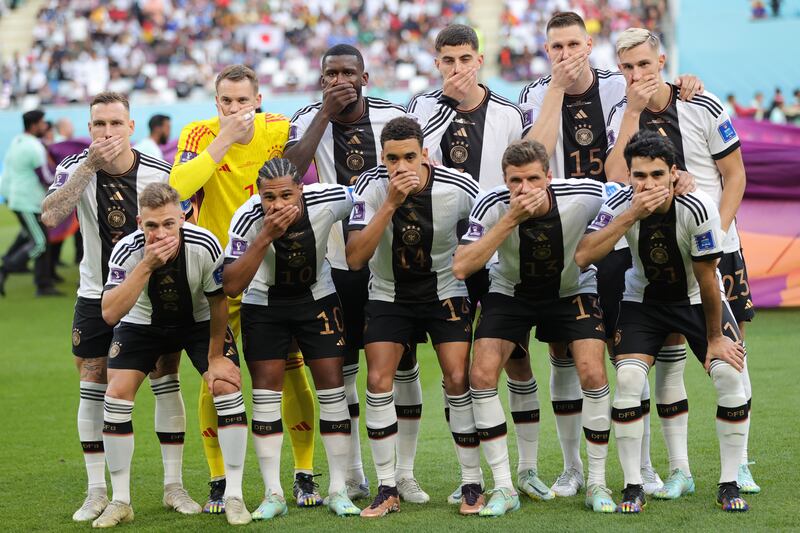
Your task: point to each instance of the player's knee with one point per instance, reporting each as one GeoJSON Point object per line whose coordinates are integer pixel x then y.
{"type": "Point", "coordinates": [481, 377]}
{"type": "Point", "coordinates": [630, 377]}
{"type": "Point", "coordinates": [379, 381]}
{"type": "Point", "coordinates": [727, 380]}
{"type": "Point", "coordinates": [593, 377]}
{"type": "Point", "coordinates": [456, 381]}
{"type": "Point", "coordinates": [221, 388]}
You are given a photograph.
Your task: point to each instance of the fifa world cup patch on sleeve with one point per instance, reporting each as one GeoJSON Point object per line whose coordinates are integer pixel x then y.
{"type": "Point", "coordinates": [188, 156]}
{"type": "Point", "coordinates": [218, 275]}
{"type": "Point", "coordinates": [726, 131]}
{"type": "Point", "coordinates": [238, 247]}
{"type": "Point", "coordinates": [359, 212]}
{"type": "Point", "coordinates": [117, 275]}
{"type": "Point", "coordinates": [704, 241]}
{"type": "Point", "coordinates": [475, 230]}
{"type": "Point", "coordinates": [292, 133]}
{"type": "Point", "coordinates": [611, 137]}
{"type": "Point", "coordinates": [602, 220]}
{"type": "Point", "coordinates": [61, 179]}
{"type": "Point", "coordinates": [527, 118]}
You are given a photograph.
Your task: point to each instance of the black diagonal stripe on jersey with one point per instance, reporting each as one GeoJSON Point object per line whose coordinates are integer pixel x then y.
{"type": "Point", "coordinates": [116, 209]}
{"type": "Point", "coordinates": [152, 162]}
{"type": "Point", "coordinates": [210, 247]}
{"type": "Point", "coordinates": [707, 102]}
{"type": "Point", "coordinates": [329, 196]}
{"type": "Point", "coordinates": [666, 123]}
{"type": "Point", "coordinates": [584, 138]}
{"type": "Point", "coordinates": [462, 142]}
{"type": "Point", "coordinates": [412, 241]}
{"type": "Point", "coordinates": [692, 209]}
{"type": "Point", "coordinates": [295, 263]}
{"type": "Point", "coordinates": [616, 109]}
{"type": "Point", "coordinates": [488, 201]}
{"type": "Point", "coordinates": [212, 243]}
{"type": "Point", "coordinates": [126, 250]}
{"type": "Point", "coordinates": [169, 292]}
{"type": "Point", "coordinates": [307, 109]}
{"type": "Point", "coordinates": [469, 187]}
{"type": "Point", "coordinates": [698, 206]}
{"type": "Point", "coordinates": [442, 115]}
{"type": "Point", "coordinates": [369, 176]}
{"type": "Point", "coordinates": [247, 219]}
{"type": "Point", "coordinates": [620, 197]}
{"type": "Point", "coordinates": [661, 259]}
{"type": "Point", "coordinates": [541, 256]}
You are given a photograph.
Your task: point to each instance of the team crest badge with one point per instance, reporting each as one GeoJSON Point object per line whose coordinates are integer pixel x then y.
{"type": "Point", "coordinates": [459, 153]}
{"type": "Point", "coordinates": [76, 337]}
{"type": "Point", "coordinates": [116, 346]}
{"type": "Point", "coordinates": [659, 256]}
{"type": "Point", "coordinates": [116, 218]}
{"type": "Point", "coordinates": [411, 235]}
{"type": "Point", "coordinates": [584, 136]}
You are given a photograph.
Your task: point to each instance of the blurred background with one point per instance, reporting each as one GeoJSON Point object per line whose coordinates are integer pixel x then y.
{"type": "Point", "coordinates": [56, 54]}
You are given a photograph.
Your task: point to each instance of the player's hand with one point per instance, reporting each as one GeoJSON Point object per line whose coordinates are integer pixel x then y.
{"type": "Point", "coordinates": [237, 127]}
{"type": "Point", "coordinates": [639, 92]}
{"type": "Point", "coordinates": [525, 205]}
{"type": "Point", "coordinates": [685, 183]}
{"type": "Point", "coordinates": [222, 369]}
{"type": "Point", "coordinates": [565, 72]}
{"type": "Point", "coordinates": [337, 96]}
{"type": "Point", "coordinates": [459, 83]}
{"type": "Point", "coordinates": [104, 151]}
{"type": "Point", "coordinates": [689, 86]}
{"type": "Point", "coordinates": [277, 221]}
{"type": "Point", "coordinates": [401, 184]}
{"type": "Point", "coordinates": [645, 202]}
{"type": "Point", "coordinates": [158, 252]}
{"type": "Point", "coordinates": [725, 349]}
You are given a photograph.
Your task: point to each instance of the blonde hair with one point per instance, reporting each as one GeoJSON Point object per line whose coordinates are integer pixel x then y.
{"type": "Point", "coordinates": [158, 195]}
{"type": "Point", "coordinates": [110, 97]}
{"type": "Point", "coordinates": [633, 37]}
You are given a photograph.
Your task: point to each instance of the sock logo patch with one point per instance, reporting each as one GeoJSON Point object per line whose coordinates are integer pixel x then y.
{"type": "Point", "coordinates": [239, 419]}
{"type": "Point", "coordinates": [732, 414]}
{"type": "Point", "coordinates": [92, 446]}
{"type": "Point", "coordinates": [525, 417]}
{"type": "Point", "coordinates": [382, 433]}
{"type": "Point", "coordinates": [267, 428]}
{"type": "Point", "coordinates": [408, 411]}
{"type": "Point", "coordinates": [327, 427]}
{"type": "Point", "coordinates": [493, 432]}
{"type": "Point", "coordinates": [670, 410]}
{"type": "Point", "coordinates": [170, 438]}
{"type": "Point", "coordinates": [568, 407]}
{"type": "Point", "coordinates": [646, 407]}
{"type": "Point", "coordinates": [118, 428]}
{"type": "Point", "coordinates": [628, 414]}
{"type": "Point", "coordinates": [595, 436]}
{"type": "Point", "coordinates": [466, 440]}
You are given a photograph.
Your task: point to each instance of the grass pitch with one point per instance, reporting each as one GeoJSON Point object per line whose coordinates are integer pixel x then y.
{"type": "Point", "coordinates": [43, 476]}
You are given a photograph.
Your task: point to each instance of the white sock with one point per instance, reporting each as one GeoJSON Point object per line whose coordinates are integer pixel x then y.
{"type": "Point", "coordinates": [596, 420]}
{"type": "Point", "coordinates": [355, 466]}
{"type": "Point", "coordinates": [490, 422]}
{"type": "Point", "coordinates": [626, 413]}
{"type": "Point", "coordinates": [748, 392]}
{"type": "Point", "coordinates": [232, 434]}
{"type": "Point", "coordinates": [732, 417]}
{"type": "Point", "coordinates": [645, 452]}
{"type": "Point", "coordinates": [267, 429]}
{"type": "Point", "coordinates": [408, 403]}
{"type": "Point", "coordinates": [90, 433]}
{"type": "Point", "coordinates": [565, 394]}
{"type": "Point", "coordinates": [465, 437]}
{"type": "Point", "coordinates": [170, 422]}
{"type": "Point", "coordinates": [523, 402]}
{"type": "Point", "coordinates": [334, 426]}
{"type": "Point", "coordinates": [673, 405]}
{"type": "Point", "coordinates": [118, 443]}
{"type": "Point", "coordinates": [382, 431]}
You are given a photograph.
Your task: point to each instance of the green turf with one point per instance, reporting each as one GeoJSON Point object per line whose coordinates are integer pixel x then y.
{"type": "Point", "coordinates": [43, 477]}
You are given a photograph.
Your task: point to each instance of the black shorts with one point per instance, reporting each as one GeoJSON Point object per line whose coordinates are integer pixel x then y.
{"type": "Point", "coordinates": [91, 336]}
{"type": "Point", "coordinates": [737, 288]}
{"type": "Point", "coordinates": [611, 284]}
{"type": "Point", "coordinates": [446, 321]}
{"type": "Point", "coordinates": [477, 287]}
{"type": "Point", "coordinates": [318, 327]}
{"type": "Point", "coordinates": [642, 328]}
{"type": "Point", "coordinates": [138, 346]}
{"type": "Point", "coordinates": [351, 286]}
{"type": "Point", "coordinates": [563, 320]}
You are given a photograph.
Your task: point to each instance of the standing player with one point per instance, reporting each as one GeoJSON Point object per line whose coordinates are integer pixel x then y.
{"type": "Point", "coordinates": [534, 226]}
{"type": "Point", "coordinates": [673, 287]}
{"type": "Point", "coordinates": [709, 149]}
{"type": "Point", "coordinates": [276, 253]}
{"type": "Point", "coordinates": [103, 182]}
{"type": "Point", "coordinates": [569, 110]}
{"type": "Point", "coordinates": [403, 224]}
{"type": "Point", "coordinates": [165, 289]}
{"type": "Point", "coordinates": [217, 161]}
{"type": "Point", "coordinates": [467, 127]}
{"type": "Point", "coordinates": [341, 134]}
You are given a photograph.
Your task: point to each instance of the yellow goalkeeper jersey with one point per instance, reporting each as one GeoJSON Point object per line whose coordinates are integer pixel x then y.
{"type": "Point", "coordinates": [220, 188]}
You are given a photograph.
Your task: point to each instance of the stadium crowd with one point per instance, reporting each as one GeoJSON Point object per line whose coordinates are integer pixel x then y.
{"type": "Point", "coordinates": [523, 29]}
{"type": "Point", "coordinates": [168, 49]}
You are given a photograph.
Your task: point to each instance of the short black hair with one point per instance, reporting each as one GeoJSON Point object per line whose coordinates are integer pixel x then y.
{"type": "Point", "coordinates": [31, 118]}
{"type": "Point", "coordinates": [278, 167]}
{"type": "Point", "coordinates": [344, 50]}
{"type": "Point", "coordinates": [156, 121]}
{"type": "Point", "coordinates": [400, 129]}
{"type": "Point", "coordinates": [649, 144]}
{"type": "Point", "coordinates": [456, 35]}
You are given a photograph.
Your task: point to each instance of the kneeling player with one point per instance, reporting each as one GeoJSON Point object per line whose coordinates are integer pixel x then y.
{"type": "Point", "coordinates": [673, 287]}
{"type": "Point", "coordinates": [404, 224]}
{"type": "Point", "coordinates": [276, 254]}
{"type": "Point", "coordinates": [535, 225]}
{"type": "Point", "coordinates": [165, 287]}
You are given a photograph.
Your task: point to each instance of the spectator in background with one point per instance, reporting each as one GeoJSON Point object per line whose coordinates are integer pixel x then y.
{"type": "Point", "coordinates": [735, 109]}
{"type": "Point", "coordinates": [160, 128]}
{"type": "Point", "coordinates": [65, 130]}
{"type": "Point", "coordinates": [758, 105]}
{"type": "Point", "coordinates": [793, 111]}
{"type": "Point", "coordinates": [25, 176]}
